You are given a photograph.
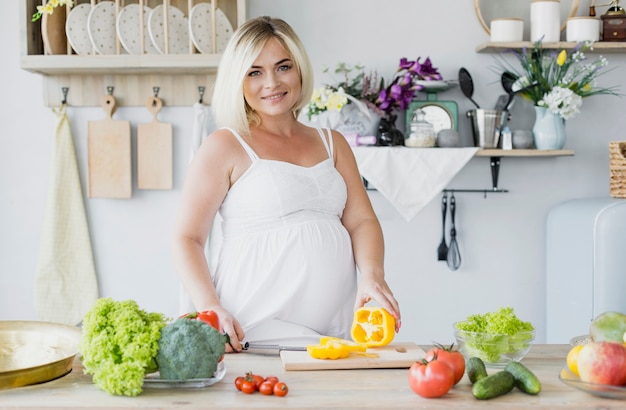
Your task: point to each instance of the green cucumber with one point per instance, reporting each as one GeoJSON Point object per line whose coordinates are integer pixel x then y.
{"type": "Point", "coordinates": [525, 380]}
{"type": "Point", "coordinates": [475, 369]}
{"type": "Point", "coordinates": [493, 386]}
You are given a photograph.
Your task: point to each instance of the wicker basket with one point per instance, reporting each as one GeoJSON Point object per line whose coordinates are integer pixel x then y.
{"type": "Point", "coordinates": [617, 163]}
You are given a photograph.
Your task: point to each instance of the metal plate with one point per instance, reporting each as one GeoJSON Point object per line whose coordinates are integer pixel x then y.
{"type": "Point", "coordinates": [35, 352]}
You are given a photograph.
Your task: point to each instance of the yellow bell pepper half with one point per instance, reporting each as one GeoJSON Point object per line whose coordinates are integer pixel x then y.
{"type": "Point", "coordinates": [332, 348]}
{"type": "Point", "coordinates": [373, 327]}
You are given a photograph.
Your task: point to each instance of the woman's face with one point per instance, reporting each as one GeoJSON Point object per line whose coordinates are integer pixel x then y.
{"type": "Point", "coordinates": [272, 85]}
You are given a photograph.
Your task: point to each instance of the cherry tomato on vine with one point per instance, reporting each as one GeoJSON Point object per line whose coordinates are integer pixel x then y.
{"type": "Point", "coordinates": [238, 382]}
{"type": "Point", "coordinates": [267, 388]}
{"type": "Point", "coordinates": [431, 378]}
{"type": "Point", "coordinates": [248, 386]}
{"type": "Point", "coordinates": [280, 389]}
{"type": "Point", "coordinates": [448, 354]}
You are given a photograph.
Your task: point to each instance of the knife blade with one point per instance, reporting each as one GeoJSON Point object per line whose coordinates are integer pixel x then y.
{"type": "Point", "coordinates": [271, 347]}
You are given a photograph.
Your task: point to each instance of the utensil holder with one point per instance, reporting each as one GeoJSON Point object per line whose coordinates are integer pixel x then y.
{"type": "Point", "coordinates": [486, 125]}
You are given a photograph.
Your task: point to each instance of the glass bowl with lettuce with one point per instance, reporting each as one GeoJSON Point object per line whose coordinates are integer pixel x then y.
{"type": "Point", "coordinates": [497, 338]}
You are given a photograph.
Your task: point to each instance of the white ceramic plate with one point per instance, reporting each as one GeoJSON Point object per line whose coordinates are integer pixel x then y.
{"type": "Point", "coordinates": [129, 30]}
{"type": "Point", "coordinates": [201, 28]}
{"type": "Point", "coordinates": [177, 26]}
{"type": "Point", "coordinates": [153, 380]}
{"type": "Point", "coordinates": [76, 29]}
{"type": "Point", "coordinates": [101, 28]}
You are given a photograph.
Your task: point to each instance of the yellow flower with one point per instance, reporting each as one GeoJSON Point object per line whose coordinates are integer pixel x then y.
{"type": "Point", "coordinates": [561, 58]}
{"type": "Point", "coordinates": [336, 101]}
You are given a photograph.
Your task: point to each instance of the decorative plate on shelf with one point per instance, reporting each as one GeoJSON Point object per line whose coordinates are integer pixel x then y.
{"type": "Point", "coordinates": [76, 29]}
{"type": "Point", "coordinates": [177, 27]}
{"type": "Point", "coordinates": [129, 30]}
{"type": "Point", "coordinates": [600, 390]}
{"type": "Point", "coordinates": [153, 380]}
{"type": "Point", "coordinates": [101, 28]}
{"type": "Point", "coordinates": [201, 28]}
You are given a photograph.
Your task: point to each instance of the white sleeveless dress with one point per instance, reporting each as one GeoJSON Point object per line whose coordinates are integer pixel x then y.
{"type": "Point", "coordinates": [286, 269]}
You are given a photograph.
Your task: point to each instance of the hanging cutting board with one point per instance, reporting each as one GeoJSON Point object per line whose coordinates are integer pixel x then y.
{"type": "Point", "coordinates": [109, 155]}
{"type": "Point", "coordinates": [154, 150]}
{"type": "Point", "coordinates": [394, 355]}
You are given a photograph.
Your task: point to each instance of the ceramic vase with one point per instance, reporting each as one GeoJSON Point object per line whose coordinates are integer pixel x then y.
{"type": "Point", "coordinates": [353, 118]}
{"type": "Point", "coordinates": [53, 32]}
{"type": "Point", "coordinates": [549, 130]}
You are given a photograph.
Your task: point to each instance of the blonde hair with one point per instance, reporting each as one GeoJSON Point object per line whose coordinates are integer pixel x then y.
{"type": "Point", "coordinates": [229, 106]}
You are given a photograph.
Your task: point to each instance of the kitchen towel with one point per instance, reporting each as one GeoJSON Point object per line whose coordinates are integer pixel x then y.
{"type": "Point", "coordinates": [411, 177]}
{"type": "Point", "coordinates": [203, 125]}
{"type": "Point", "coordinates": [65, 282]}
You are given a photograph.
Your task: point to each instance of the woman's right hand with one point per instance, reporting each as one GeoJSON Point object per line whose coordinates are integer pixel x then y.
{"type": "Point", "coordinates": [232, 328]}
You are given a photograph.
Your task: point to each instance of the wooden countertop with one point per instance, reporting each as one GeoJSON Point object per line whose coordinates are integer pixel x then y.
{"type": "Point", "coordinates": [321, 389]}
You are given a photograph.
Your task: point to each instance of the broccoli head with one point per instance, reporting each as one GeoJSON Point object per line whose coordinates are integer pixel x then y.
{"type": "Point", "coordinates": [189, 349]}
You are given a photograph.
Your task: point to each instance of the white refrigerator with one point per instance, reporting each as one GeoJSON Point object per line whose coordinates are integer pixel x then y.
{"type": "Point", "coordinates": [585, 264]}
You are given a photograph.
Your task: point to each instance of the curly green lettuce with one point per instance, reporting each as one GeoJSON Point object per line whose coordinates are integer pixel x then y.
{"type": "Point", "coordinates": [501, 333]}
{"type": "Point", "coordinates": [119, 345]}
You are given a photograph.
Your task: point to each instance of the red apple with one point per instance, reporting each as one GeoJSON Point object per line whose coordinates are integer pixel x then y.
{"type": "Point", "coordinates": [603, 363]}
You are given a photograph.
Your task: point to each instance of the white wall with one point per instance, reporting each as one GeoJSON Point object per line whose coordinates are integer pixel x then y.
{"type": "Point", "coordinates": [502, 237]}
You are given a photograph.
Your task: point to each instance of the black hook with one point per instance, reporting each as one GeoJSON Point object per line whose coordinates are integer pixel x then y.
{"type": "Point", "coordinates": [155, 90]}
{"type": "Point", "coordinates": [110, 89]}
{"type": "Point", "coordinates": [201, 91]}
{"type": "Point", "coordinates": [64, 90]}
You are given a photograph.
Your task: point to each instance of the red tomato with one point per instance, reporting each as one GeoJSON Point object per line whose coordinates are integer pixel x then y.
{"type": "Point", "coordinates": [257, 379]}
{"type": "Point", "coordinates": [248, 387]}
{"type": "Point", "coordinates": [207, 316]}
{"type": "Point", "coordinates": [239, 381]}
{"type": "Point", "coordinates": [267, 388]}
{"type": "Point", "coordinates": [272, 379]}
{"type": "Point", "coordinates": [453, 357]}
{"type": "Point", "coordinates": [431, 379]}
{"type": "Point", "coordinates": [280, 389]}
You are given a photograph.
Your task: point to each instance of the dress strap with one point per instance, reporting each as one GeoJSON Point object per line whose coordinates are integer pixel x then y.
{"type": "Point", "coordinates": [253, 156]}
{"type": "Point", "coordinates": [327, 143]}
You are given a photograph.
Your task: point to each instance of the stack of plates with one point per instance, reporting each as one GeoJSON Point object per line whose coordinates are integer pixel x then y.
{"type": "Point", "coordinates": [95, 30]}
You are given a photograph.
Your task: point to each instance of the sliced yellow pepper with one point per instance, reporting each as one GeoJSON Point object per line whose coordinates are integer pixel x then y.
{"type": "Point", "coordinates": [332, 348]}
{"type": "Point", "coordinates": [373, 327]}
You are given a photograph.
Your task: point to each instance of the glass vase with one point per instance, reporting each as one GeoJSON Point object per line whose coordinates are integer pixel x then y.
{"type": "Point", "coordinates": [549, 130]}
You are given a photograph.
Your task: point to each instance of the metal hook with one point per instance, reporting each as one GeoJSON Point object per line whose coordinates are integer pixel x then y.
{"type": "Point", "coordinates": [64, 90]}
{"type": "Point", "coordinates": [110, 89]}
{"type": "Point", "coordinates": [201, 91]}
{"type": "Point", "coordinates": [155, 90]}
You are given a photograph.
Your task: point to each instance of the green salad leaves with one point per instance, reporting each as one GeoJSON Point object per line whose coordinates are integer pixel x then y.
{"type": "Point", "coordinates": [491, 335]}
{"type": "Point", "coordinates": [119, 345]}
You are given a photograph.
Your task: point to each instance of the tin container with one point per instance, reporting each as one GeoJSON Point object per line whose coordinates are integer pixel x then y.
{"type": "Point", "coordinates": [545, 21]}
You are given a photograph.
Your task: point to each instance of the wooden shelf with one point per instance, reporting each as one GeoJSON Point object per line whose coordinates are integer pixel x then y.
{"type": "Point", "coordinates": [178, 76]}
{"type": "Point", "coordinates": [524, 153]}
{"type": "Point", "coordinates": [598, 47]}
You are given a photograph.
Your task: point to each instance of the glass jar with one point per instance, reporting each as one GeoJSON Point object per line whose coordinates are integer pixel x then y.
{"type": "Point", "coordinates": [422, 133]}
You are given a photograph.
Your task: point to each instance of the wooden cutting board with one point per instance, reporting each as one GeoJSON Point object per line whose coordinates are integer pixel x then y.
{"type": "Point", "coordinates": [154, 150]}
{"type": "Point", "coordinates": [394, 355]}
{"type": "Point", "coordinates": [109, 155]}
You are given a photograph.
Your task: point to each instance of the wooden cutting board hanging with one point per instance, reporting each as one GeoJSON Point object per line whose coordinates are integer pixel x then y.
{"type": "Point", "coordinates": [154, 150]}
{"type": "Point", "coordinates": [109, 155]}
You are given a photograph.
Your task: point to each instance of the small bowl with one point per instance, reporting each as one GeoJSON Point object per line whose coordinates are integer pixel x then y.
{"type": "Point", "coordinates": [495, 350]}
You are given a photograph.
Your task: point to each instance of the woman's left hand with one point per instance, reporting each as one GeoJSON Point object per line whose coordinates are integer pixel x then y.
{"type": "Point", "coordinates": [371, 288]}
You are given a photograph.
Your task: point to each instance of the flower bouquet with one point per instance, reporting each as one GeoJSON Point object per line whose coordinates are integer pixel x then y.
{"type": "Point", "coordinates": [357, 103]}
{"type": "Point", "coordinates": [557, 79]}
{"type": "Point", "coordinates": [49, 7]}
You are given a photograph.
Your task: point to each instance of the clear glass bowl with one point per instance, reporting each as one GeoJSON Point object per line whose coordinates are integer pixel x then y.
{"type": "Point", "coordinates": [495, 350]}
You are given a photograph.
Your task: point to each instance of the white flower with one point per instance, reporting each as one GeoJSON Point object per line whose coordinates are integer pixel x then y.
{"type": "Point", "coordinates": [562, 101]}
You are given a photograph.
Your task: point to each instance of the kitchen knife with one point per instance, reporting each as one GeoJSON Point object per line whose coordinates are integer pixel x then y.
{"type": "Point", "coordinates": [270, 348]}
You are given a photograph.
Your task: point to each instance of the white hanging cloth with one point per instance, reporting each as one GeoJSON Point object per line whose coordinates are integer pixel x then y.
{"type": "Point", "coordinates": [66, 286]}
{"type": "Point", "coordinates": [203, 125]}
